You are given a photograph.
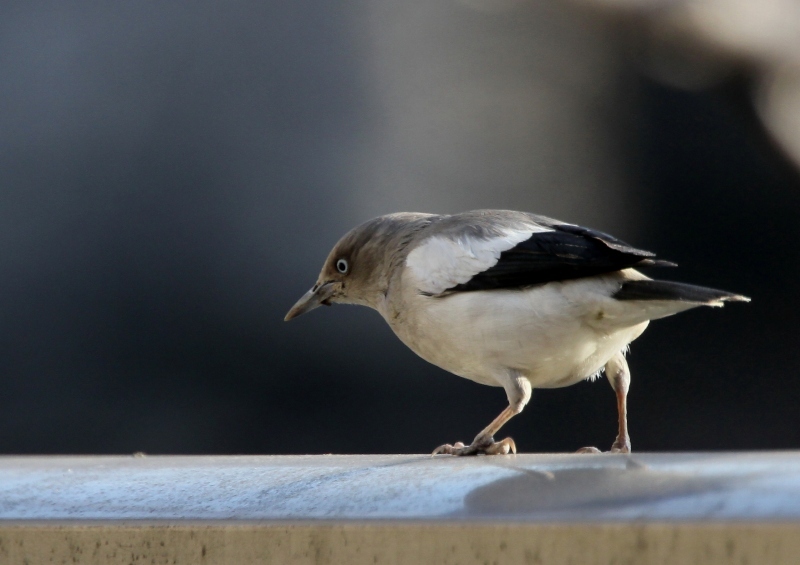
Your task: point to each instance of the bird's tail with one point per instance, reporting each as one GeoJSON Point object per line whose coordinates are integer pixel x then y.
{"type": "Point", "coordinates": [676, 292]}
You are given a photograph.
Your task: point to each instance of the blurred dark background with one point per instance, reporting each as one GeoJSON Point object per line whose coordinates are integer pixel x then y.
{"type": "Point", "coordinates": [172, 176]}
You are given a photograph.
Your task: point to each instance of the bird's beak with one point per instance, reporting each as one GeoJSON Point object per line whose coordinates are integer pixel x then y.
{"type": "Point", "coordinates": [317, 296]}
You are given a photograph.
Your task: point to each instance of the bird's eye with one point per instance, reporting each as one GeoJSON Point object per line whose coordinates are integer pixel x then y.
{"type": "Point", "coordinates": [341, 266]}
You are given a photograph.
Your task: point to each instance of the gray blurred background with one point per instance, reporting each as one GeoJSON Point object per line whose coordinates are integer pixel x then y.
{"type": "Point", "coordinates": [172, 175]}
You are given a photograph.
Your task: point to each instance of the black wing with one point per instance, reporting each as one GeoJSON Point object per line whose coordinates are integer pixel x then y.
{"type": "Point", "coordinates": [568, 252]}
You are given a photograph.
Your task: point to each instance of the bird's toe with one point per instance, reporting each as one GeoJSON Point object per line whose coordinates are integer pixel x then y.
{"type": "Point", "coordinates": [618, 447]}
{"type": "Point", "coordinates": [446, 449]}
{"type": "Point", "coordinates": [503, 447]}
{"type": "Point", "coordinates": [621, 446]}
{"type": "Point", "coordinates": [456, 449]}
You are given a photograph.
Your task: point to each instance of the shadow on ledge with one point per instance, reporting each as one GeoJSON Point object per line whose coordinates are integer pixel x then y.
{"type": "Point", "coordinates": [605, 490]}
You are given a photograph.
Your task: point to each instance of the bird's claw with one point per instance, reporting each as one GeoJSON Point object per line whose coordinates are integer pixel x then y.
{"type": "Point", "coordinates": [621, 446]}
{"type": "Point", "coordinates": [491, 447]}
{"type": "Point", "coordinates": [618, 447]}
{"type": "Point", "coordinates": [458, 448]}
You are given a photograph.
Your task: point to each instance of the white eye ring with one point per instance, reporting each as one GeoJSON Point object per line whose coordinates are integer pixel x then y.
{"type": "Point", "coordinates": [341, 265]}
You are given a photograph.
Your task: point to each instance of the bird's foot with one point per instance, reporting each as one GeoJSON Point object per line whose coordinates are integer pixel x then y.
{"type": "Point", "coordinates": [480, 446]}
{"type": "Point", "coordinates": [619, 446]}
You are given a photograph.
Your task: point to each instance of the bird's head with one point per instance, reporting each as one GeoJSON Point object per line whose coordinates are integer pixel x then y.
{"type": "Point", "coordinates": [359, 267]}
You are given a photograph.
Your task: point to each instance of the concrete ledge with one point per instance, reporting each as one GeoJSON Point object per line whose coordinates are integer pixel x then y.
{"type": "Point", "coordinates": [646, 508]}
{"type": "Point", "coordinates": [400, 542]}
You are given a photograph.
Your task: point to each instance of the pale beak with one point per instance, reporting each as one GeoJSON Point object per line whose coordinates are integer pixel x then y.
{"type": "Point", "coordinates": [317, 296]}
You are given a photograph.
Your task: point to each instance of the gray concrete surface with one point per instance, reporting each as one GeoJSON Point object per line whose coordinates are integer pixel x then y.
{"type": "Point", "coordinates": [656, 487]}
{"type": "Point", "coordinates": [709, 508]}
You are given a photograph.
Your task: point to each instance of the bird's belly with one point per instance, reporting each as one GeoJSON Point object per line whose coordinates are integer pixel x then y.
{"type": "Point", "coordinates": [536, 332]}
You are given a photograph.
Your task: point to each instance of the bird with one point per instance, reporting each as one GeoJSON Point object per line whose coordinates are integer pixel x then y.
{"type": "Point", "coordinates": [506, 299]}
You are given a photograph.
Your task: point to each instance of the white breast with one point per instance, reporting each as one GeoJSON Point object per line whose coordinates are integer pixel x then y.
{"type": "Point", "coordinates": [555, 334]}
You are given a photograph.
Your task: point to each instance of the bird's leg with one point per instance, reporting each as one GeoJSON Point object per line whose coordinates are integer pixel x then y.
{"type": "Point", "coordinates": [619, 376]}
{"type": "Point", "coordinates": [518, 390]}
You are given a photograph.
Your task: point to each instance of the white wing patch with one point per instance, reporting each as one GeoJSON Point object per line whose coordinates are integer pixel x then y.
{"type": "Point", "coordinates": [443, 262]}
